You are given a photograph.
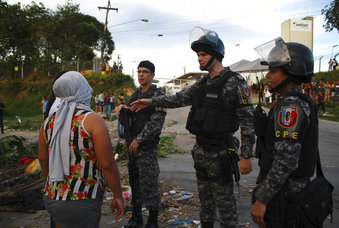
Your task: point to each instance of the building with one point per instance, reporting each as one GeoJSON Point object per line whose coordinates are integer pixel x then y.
{"type": "Point", "coordinates": [181, 82]}
{"type": "Point", "coordinates": [300, 31]}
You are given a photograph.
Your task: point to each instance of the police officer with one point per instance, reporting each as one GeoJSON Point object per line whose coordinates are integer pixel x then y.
{"type": "Point", "coordinates": [146, 127]}
{"type": "Point", "coordinates": [291, 141]}
{"type": "Point", "coordinates": [220, 102]}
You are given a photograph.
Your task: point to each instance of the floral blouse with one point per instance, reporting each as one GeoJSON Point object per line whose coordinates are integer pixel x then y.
{"type": "Point", "coordinates": [86, 176]}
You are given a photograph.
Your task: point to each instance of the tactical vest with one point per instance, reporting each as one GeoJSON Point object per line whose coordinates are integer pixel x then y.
{"type": "Point", "coordinates": [139, 119]}
{"type": "Point", "coordinates": [309, 146]}
{"type": "Point", "coordinates": [210, 117]}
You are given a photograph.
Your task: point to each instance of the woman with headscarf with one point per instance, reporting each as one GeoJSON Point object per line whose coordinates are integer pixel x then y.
{"type": "Point", "coordinates": [75, 154]}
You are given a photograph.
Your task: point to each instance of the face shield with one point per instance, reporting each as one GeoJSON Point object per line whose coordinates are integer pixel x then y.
{"type": "Point", "coordinates": [201, 34]}
{"type": "Point", "coordinates": [274, 53]}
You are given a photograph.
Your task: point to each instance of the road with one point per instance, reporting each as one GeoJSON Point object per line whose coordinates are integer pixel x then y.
{"type": "Point", "coordinates": [178, 170]}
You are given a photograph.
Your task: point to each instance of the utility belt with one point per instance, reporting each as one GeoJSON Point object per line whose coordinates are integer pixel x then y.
{"type": "Point", "coordinates": [227, 155]}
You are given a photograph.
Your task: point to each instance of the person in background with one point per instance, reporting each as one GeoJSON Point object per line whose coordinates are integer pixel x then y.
{"type": "Point", "coordinates": [2, 109]}
{"type": "Point", "coordinates": [101, 102]}
{"type": "Point", "coordinates": [320, 101]}
{"type": "Point", "coordinates": [107, 103]}
{"type": "Point", "coordinates": [330, 65]}
{"type": "Point", "coordinates": [76, 171]}
{"type": "Point", "coordinates": [97, 103]}
{"type": "Point", "coordinates": [327, 91]}
{"type": "Point", "coordinates": [122, 98]}
{"type": "Point", "coordinates": [112, 102]}
{"type": "Point", "coordinates": [335, 64]}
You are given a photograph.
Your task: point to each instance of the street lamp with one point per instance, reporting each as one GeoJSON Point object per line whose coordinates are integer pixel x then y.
{"type": "Point", "coordinates": [332, 50]}
{"type": "Point", "coordinates": [143, 20]}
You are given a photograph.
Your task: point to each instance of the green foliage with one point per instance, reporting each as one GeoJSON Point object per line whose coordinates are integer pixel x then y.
{"type": "Point", "coordinates": [12, 148]}
{"type": "Point", "coordinates": [44, 41]}
{"type": "Point", "coordinates": [331, 14]}
{"type": "Point", "coordinates": [166, 147]}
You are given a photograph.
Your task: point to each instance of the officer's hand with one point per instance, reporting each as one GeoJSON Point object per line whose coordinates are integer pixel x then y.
{"type": "Point", "coordinates": [257, 212]}
{"type": "Point", "coordinates": [245, 166]}
{"type": "Point", "coordinates": [133, 147]}
{"type": "Point", "coordinates": [117, 205]}
{"type": "Point", "coordinates": [118, 109]}
{"type": "Point", "coordinates": [140, 104]}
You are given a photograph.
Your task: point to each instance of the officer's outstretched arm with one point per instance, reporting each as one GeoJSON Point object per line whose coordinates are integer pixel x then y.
{"type": "Point", "coordinates": [140, 104]}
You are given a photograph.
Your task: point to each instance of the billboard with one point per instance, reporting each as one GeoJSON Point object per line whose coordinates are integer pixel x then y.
{"type": "Point", "coordinates": [301, 25]}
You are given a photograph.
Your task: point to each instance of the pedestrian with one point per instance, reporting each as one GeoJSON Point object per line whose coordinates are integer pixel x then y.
{"type": "Point", "coordinates": [145, 134]}
{"type": "Point", "coordinates": [320, 101]}
{"type": "Point", "coordinates": [327, 92]}
{"type": "Point", "coordinates": [291, 144]}
{"type": "Point", "coordinates": [268, 97]}
{"type": "Point", "coordinates": [97, 103]}
{"type": "Point", "coordinates": [2, 109]}
{"type": "Point", "coordinates": [76, 172]}
{"type": "Point", "coordinates": [120, 127]}
{"type": "Point", "coordinates": [336, 95]}
{"type": "Point", "coordinates": [330, 65]}
{"type": "Point", "coordinates": [122, 97]}
{"type": "Point", "coordinates": [107, 103]}
{"type": "Point", "coordinates": [112, 102]}
{"type": "Point", "coordinates": [335, 64]}
{"type": "Point", "coordinates": [313, 88]}
{"type": "Point", "coordinates": [221, 101]}
{"type": "Point", "coordinates": [101, 102]}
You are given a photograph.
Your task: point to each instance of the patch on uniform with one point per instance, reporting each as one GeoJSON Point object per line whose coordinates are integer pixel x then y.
{"type": "Point", "coordinates": [160, 109]}
{"type": "Point", "coordinates": [246, 94]}
{"type": "Point", "coordinates": [288, 116]}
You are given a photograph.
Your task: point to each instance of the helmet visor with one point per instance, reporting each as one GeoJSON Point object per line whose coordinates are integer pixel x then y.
{"type": "Point", "coordinates": [274, 53]}
{"type": "Point", "coordinates": [199, 33]}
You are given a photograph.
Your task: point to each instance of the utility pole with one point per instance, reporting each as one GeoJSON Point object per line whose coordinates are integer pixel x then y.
{"type": "Point", "coordinates": [108, 8]}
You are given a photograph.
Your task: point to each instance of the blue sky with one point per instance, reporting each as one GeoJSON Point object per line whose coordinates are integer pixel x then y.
{"type": "Point", "coordinates": [245, 22]}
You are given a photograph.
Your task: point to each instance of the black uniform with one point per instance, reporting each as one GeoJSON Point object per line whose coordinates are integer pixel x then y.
{"type": "Point", "coordinates": [289, 158]}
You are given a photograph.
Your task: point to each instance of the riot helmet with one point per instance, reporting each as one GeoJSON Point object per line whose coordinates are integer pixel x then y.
{"type": "Point", "coordinates": [209, 42]}
{"type": "Point", "coordinates": [294, 58]}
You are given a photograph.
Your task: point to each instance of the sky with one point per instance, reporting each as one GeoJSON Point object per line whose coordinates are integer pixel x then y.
{"type": "Point", "coordinates": [242, 25]}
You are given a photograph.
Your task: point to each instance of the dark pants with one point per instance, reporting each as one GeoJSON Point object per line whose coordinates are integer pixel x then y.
{"type": "Point", "coordinates": [2, 124]}
{"type": "Point", "coordinates": [322, 106]}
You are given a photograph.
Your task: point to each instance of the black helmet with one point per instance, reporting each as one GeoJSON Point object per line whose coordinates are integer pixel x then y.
{"type": "Point", "coordinates": [302, 62]}
{"type": "Point", "coordinates": [207, 41]}
{"type": "Point", "coordinates": [294, 58]}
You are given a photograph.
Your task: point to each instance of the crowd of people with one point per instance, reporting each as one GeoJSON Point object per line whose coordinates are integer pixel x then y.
{"type": "Point", "coordinates": [321, 92]}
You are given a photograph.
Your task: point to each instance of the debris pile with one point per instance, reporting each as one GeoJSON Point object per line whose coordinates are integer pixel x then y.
{"type": "Point", "coordinates": [20, 187]}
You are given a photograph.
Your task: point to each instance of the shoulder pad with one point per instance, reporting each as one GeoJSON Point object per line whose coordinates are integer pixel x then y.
{"type": "Point", "coordinates": [289, 121]}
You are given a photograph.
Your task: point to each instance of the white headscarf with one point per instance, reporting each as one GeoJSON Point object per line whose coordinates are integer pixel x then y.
{"type": "Point", "coordinates": [75, 92]}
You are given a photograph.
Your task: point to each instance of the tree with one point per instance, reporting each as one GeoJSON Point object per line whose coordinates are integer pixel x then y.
{"type": "Point", "coordinates": [331, 14]}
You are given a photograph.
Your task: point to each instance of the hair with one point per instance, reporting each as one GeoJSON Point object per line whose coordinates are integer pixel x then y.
{"type": "Point", "coordinates": [51, 98]}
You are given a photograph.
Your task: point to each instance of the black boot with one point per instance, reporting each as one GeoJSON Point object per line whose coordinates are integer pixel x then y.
{"type": "Point", "coordinates": [152, 221]}
{"type": "Point", "coordinates": [207, 224]}
{"type": "Point", "coordinates": [136, 219]}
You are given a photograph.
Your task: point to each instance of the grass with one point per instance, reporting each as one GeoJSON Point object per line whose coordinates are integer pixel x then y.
{"type": "Point", "coordinates": [166, 147]}
{"type": "Point", "coordinates": [28, 122]}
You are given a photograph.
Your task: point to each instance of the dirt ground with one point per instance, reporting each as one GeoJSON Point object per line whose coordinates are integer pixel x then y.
{"type": "Point", "coordinates": [179, 196]}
